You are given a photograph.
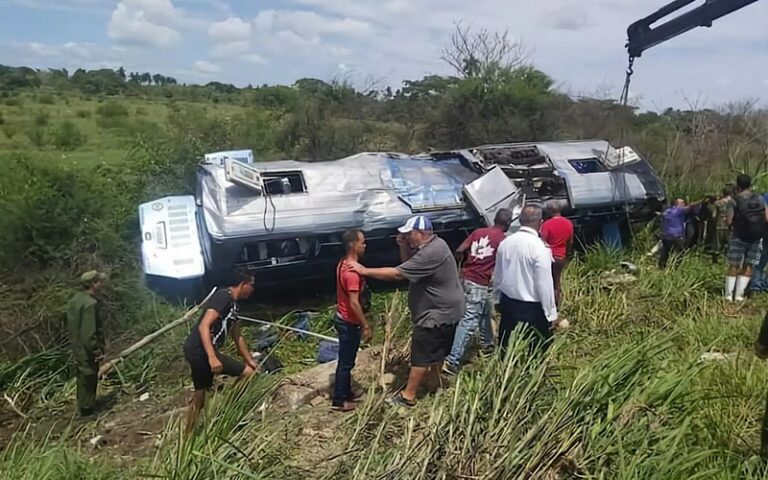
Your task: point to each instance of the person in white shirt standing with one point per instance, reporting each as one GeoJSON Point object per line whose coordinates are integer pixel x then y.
{"type": "Point", "coordinates": [523, 278]}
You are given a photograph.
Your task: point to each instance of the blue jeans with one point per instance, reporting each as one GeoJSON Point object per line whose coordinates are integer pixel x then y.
{"type": "Point", "coordinates": [349, 342]}
{"type": "Point", "coordinates": [477, 315]}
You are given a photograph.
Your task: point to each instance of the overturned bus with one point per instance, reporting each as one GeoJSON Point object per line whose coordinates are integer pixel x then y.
{"type": "Point", "coordinates": [282, 221]}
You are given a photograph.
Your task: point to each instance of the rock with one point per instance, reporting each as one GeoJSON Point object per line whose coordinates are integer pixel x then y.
{"type": "Point", "coordinates": [291, 397]}
{"type": "Point", "coordinates": [97, 441]}
{"type": "Point", "coordinates": [301, 389]}
{"type": "Point", "coordinates": [388, 378]}
{"type": "Point", "coordinates": [144, 397]}
{"type": "Point", "coordinates": [317, 401]}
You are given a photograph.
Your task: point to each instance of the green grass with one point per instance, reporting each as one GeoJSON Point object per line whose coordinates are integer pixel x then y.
{"type": "Point", "coordinates": [623, 395]}
{"type": "Point", "coordinates": [102, 144]}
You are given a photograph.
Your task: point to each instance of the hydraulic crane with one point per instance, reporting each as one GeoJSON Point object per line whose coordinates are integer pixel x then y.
{"type": "Point", "coordinates": [641, 35]}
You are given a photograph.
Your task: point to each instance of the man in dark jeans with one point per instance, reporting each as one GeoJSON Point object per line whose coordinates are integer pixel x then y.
{"type": "Point", "coordinates": [435, 299]}
{"type": "Point", "coordinates": [761, 350]}
{"type": "Point", "coordinates": [350, 320]}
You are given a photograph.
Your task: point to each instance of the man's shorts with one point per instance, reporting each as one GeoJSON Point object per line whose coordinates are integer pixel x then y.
{"type": "Point", "coordinates": [202, 376]}
{"type": "Point", "coordinates": [430, 346]}
{"type": "Point", "coordinates": [741, 253]}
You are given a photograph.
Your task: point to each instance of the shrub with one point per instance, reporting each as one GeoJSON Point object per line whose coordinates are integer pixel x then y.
{"type": "Point", "coordinates": [112, 115]}
{"type": "Point", "coordinates": [68, 136]}
{"type": "Point", "coordinates": [41, 118]}
{"type": "Point", "coordinates": [10, 130]}
{"type": "Point", "coordinates": [83, 113]}
{"type": "Point", "coordinates": [37, 136]}
{"type": "Point", "coordinates": [46, 99]}
{"type": "Point", "coordinates": [14, 102]}
{"type": "Point", "coordinates": [111, 110]}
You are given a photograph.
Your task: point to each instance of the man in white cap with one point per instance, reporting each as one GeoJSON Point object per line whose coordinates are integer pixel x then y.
{"type": "Point", "coordinates": [435, 299]}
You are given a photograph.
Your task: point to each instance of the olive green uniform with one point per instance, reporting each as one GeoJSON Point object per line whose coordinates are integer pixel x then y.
{"type": "Point", "coordinates": [85, 335]}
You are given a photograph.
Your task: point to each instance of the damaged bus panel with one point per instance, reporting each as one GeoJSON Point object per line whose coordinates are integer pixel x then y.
{"type": "Point", "coordinates": [282, 221]}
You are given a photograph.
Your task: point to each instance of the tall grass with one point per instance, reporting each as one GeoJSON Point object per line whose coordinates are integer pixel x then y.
{"type": "Point", "coordinates": [623, 394]}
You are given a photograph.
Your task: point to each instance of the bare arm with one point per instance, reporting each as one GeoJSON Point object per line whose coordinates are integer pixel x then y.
{"type": "Point", "coordinates": [386, 274]}
{"type": "Point", "coordinates": [242, 346]}
{"type": "Point", "coordinates": [357, 309]}
{"type": "Point", "coordinates": [405, 250]}
{"type": "Point", "coordinates": [462, 250]}
{"type": "Point", "coordinates": [205, 332]}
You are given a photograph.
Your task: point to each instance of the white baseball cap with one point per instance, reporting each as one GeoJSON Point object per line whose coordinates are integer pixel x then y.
{"type": "Point", "coordinates": [419, 222]}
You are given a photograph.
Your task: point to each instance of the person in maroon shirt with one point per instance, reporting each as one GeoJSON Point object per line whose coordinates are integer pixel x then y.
{"type": "Point", "coordinates": [479, 250]}
{"type": "Point", "coordinates": [557, 232]}
{"type": "Point", "coordinates": [350, 320]}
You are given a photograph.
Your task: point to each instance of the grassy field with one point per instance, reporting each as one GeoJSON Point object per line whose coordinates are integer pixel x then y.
{"type": "Point", "coordinates": [108, 125]}
{"type": "Point", "coordinates": [655, 379]}
{"type": "Point", "coordinates": [626, 393]}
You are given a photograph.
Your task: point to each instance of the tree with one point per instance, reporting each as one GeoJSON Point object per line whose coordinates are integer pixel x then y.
{"type": "Point", "coordinates": [146, 78]}
{"type": "Point", "coordinates": [121, 73]}
{"type": "Point", "coordinates": [482, 53]}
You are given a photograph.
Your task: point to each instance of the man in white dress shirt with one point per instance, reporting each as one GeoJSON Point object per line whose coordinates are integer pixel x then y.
{"type": "Point", "coordinates": [523, 279]}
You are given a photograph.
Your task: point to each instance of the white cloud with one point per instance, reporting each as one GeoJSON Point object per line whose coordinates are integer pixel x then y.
{"type": "Point", "coordinates": [233, 29]}
{"type": "Point", "coordinates": [68, 50]}
{"type": "Point", "coordinates": [206, 68]}
{"type": "Point", "coordinates": [232, 40]}
{"type": "Point", "coordinates": [145, 22]}
{"type": "Point", "coordinates": [308, 28]}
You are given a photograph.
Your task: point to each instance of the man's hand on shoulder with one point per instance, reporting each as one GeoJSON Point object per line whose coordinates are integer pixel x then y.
{"type": "Point", "coordinates": [356, 267]}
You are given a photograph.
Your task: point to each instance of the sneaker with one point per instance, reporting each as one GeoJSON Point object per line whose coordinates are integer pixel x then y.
{"type": "Point", "coordinates": [728, 298]}
{"type": "Point", "coordinates": [739, 299]}
{"type": "Point", "coordinates": [487, 351]}
{"type": "Point", "coordinates": [398, 400]}
{"type": "Point", "coordinates": [449, 369]}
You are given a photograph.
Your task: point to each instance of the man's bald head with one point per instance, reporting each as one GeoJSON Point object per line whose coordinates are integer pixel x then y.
{"type": "Point", "coordinates": [531, 217]}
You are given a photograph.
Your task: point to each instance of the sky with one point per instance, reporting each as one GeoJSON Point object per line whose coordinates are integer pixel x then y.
{"type": "Point", "coordinates": [383, 42]}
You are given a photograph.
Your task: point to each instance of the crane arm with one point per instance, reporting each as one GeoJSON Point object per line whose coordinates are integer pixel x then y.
{"type": "Point", "coordinates": [641, 36]}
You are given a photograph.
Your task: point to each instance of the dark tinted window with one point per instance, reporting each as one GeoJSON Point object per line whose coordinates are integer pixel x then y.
{"type": "Point", "coordinates": [587, 165]}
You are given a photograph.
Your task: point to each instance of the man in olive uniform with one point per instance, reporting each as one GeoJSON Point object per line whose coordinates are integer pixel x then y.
{"type": "Point", "coordinates": [85, 335]}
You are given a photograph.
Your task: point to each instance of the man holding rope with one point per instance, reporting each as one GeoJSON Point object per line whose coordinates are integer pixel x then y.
{"type": "Point", "coordinates": [201, 348]}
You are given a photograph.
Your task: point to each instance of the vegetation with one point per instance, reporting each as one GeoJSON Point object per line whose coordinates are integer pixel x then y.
{"type": "Point", "coordinates": [624, 394]}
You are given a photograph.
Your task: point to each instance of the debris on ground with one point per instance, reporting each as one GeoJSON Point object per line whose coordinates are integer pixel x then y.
{"type": "Point", "coordinates": [715, 356]}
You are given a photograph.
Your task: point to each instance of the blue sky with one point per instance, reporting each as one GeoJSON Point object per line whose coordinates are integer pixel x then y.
{"type": "Point", "coordinates": [382, 42]}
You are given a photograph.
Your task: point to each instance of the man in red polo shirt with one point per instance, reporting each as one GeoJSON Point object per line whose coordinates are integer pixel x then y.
{"type": "Point", "coordinates": [350, 321]}
{"type": "Point", "coordinates": [557, 232]}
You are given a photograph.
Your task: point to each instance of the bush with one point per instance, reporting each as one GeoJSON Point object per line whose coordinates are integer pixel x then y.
{"type": "Point", "coordinates": [112, 115]}
{"type": "Point", "coordinates": [83, 113]}
{"type": "Point", "coordinates": [68, 136]}
{"type": "Point", "coordinates": [14, 102]}
{"type": "Point", "coordinates": [41, 118]}
{"type": "Point", "coordinates": [10, 130]}
{"type": "Point", "coordinates": [37, 136]}
{"type": "Point", "coordinates": [46, 99]}
{"type": "Point", "coordinates": [111, 110]}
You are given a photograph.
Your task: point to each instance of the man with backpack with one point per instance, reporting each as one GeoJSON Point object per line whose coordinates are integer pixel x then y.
{"type": "Point", "coordinates": [747, 216]}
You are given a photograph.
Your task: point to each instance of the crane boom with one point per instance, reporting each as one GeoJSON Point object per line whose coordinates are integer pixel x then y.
{"type": "Point", "coordinates": [641, 36]}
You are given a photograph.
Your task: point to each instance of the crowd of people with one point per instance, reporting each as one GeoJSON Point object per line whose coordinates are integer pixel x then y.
{"type": "Point", "coordinates": [451, 294]}
{"type": "Point", "coordinates": [735, 224]}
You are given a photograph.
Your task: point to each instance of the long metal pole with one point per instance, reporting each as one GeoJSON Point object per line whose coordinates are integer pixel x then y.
{"type": "Point", "coordinates": [286, 327]}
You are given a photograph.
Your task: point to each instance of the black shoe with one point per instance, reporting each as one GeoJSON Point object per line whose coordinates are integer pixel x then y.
{"type": "Point", "coordinates": [398, 400]}
{"type": "Point", "coordinates": [451, 370]}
